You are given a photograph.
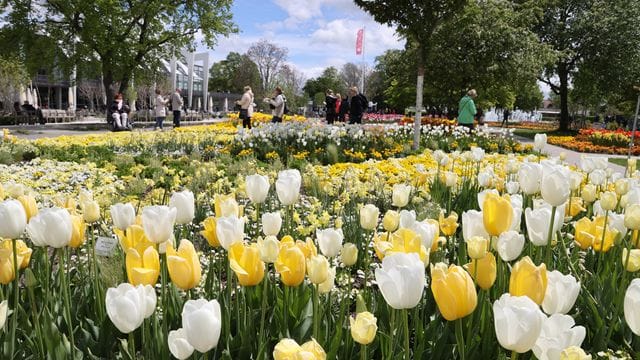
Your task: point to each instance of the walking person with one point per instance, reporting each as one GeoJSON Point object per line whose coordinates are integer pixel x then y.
{"type": "Point", "coordinates": [160, 109]}
{"type": "Point", "coordinates": [246, 107]}
{"type": "Point", "coordinates": [505, 117]}
{"type": "Point", "coordinates": [276, 104]}
{"type": "Point", "coordinates": [330, 102]}
{"type": "Point", "coordinates": [467, 109]}
{"type": "Point", "coordinates": [358, 104]}
{"type": "Point", "coordinates": [176, 106]}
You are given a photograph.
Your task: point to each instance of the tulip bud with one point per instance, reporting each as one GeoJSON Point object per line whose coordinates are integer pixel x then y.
{"type": "Point", "coordinates": [202, 323]}
{"type": "Point", "coordinates": [229, 230]}
{"type": "Point", "coordinates": [246, 263]}
{"type": "Point", "coordinates": [317, 269]}
{"type": "Point", "coordinates": [597, 177]}
{"type": "Point", "coordinates": [288, 186]}
{"type": "Point", "coordinates": [90, 211]}
{"type": "Point", "coordinates": [328, 284]}
{"type": "Point", "coordinates": [123, 215]}
{"type": "Point", "coordinates": [539, 142]}
{"type": "Point", "coordinates": [13, 219]}
{"type": "Point", "coordinates": [448, 225]}
{"type": "Point", "coordinates": [453, 290]}
{"type": "Point", "coordinates": [529, 280]}
{"type": "Point", "coordinates": [450, 179]}
{"type": "Point", "coordinates": [529, 177]}
{"type": "Point", "coordinates": [485, 274]}
{"type": "Point", "coordinates": [632, 217]}
{"type": "Point", "coordinates": [349, 254]}
{"type": "Point", "coordinates": [179, 345]}
{"type": "Point", "coordinates": [369, 217]}
{"type": "Point", "coordinates": [269, 249]}
{"type": "Point", "coordinates": [510, 245]}
{"type": "Point", "coordinates": [608, 200]}
{"type": "Point", "coordinates": [401, 280]}
{"type": "Point", "coordinates": [477, 247]}
{"type": "Point", "coordinates": [477, 153]}
{"type": "Point", "coordinates": [184, 265]}
{"type": "Point", "coordinates": [226, 205]}
{"type": "Point", "coordinates": [157, 222]}
{"type": "Point", "coordinates": [497, 214]}
{"type": "Point", "coordinates": [184, 204]}
{"type": "Point", "coordinates": [209, 231]}
{"type": "Point", "coordinates": [517, 322]}
{"type": "Point", "coordinates": [257, 188]}
{"type": "Point", "coordinates": [562, 156]}
{"type": "Point", "coordinates": [391, 220]}
{"type": "Point", "coordinates": [512, 187]}
{"type": "Point", "coordinates": [291, 265]}
{"type": "Point", "coordinates": [77, 235]}
{"type": "Point", "coordinates": [555, 187]}
{"type": "Point", "coordinates": [589, 193]}
{"type": "Point", "coordinates": [29, 204]}
{"type": "Point", "coordinates": [622, 186]}
{"type": "Point", "coordinates": [128, 306]}
{"type": "Point", "coordinates": [330, 241]}
{"type": "Point", "coordinates": [142, 268]}
{"type": "Point", "coordinates": [51, 227]}
{"type": "Point", "coordinates": [631, 259]}
{"type": "Point", "coordinates": [558, 332]}
{"type": "Point", "coordinates": [271, 223]}
{"type": "Point", "coordinates": [407, 219]}
{"type": "Point", "coordinates": [400, 195]}
{"type": "Point", "coordinates": [562, 292]}
{"type": "Point", "coordinates": [574, 353]}
{"type": "Point", "coordinates": [363, 328]}
{"type": "Point", "coordinates": [473, 225]}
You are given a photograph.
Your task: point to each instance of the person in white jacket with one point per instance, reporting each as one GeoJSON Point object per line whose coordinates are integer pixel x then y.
{"type": "Point", "coordinates": [160, 109]}
{"type": "Point", "coordinates": [277, 105]}
{"type": "Point", "coordinates": [246, 107]}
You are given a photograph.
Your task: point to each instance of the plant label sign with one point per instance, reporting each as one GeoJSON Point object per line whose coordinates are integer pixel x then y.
{"type": "Point", "coordinates": [105, 246]}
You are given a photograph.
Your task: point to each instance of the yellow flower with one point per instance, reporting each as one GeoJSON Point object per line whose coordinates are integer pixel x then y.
{"type": "Point", "coordinates": [363, 327]}
{"type": "Point", "coordinates": [486, 273]}
{"type": "Point", "coordinates": [291, 264]}
{"type": "Point", "coordinates": [497, 214]}
{"type": "Point", "coordinates": [286, 349]}
{"type": "Point", "coordinates": [143, 270]}
{"type": "Point", "coordinates": [22, 249]}
{"type": "Point", "coordinates": [448, 225]}
{"type": "Point", "coordinates": [633, 263]}
{"type": "Point", "coordinates": [29, 204]}
{"type": "Point", "coordinates": [584, 230]}
{"type": "Point", "coordinates": [315, 349]}
{"type": "Point", "coordinates": [307, 247]}
{"type": "Point", "coordinates": [609, 235]}
{"type": "Point", "coordinates": [184, 265]}
{"type": "Point", "coordinates": [226, 205]}
{"type": "Point", "coordinates": [574, 353]}
{"type": "Point", "coordinates": [134, 237]}
{"type": "Point", "coordinates": [391, 220]}
{"type": "Point", "coordinates": [527, 279]}
{"type": "Point", "coordinates": [6, 265]}
{"type": "Point", "coordinates": [407, 241]}
{"type": "Point", "coordinates": [317, 269]}
{"type": "Point", "coordinates": [245, 262]}
{"type": "Point", "coordinates": [575, 208]}
{"type": "Point", "coordinates": [90, 211]}
{"type": "Point", "coordinates": [78, 231]}
{"type": "Point", "coordinates": [477, 247]}
{"type": "Point", "coordinates": [209, 231]}
{"type": "Point", "coordinates": [453, 290]}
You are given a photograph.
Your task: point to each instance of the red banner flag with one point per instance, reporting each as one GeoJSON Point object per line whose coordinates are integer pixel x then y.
{"type": "Point", "coordinates": [359, 42]}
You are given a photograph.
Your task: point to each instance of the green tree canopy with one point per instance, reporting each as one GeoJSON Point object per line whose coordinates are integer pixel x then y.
{"type": "Point", "coordinates": [329, 79]}
{"type": "Point", "coordinates": [234, 73]}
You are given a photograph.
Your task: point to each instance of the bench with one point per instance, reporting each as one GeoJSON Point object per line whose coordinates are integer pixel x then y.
{"type": "Point", "coordinates": [56, 115]}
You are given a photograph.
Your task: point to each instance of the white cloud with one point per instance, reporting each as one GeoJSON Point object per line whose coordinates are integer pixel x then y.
{"type": "Point", "coordinates": [340, 36]}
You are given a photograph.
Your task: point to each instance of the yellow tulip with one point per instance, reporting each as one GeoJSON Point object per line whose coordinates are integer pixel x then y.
{"type": "Point", "coordinates": [633, 263]}
{"type": "Point", "coordinates": [497, 214]}
{"type": "Point", "coordinates": [363, 328]}
{"type": "Point", "coordinates": [78, 231]}
{"type": "Point", "coordinates": [391, 220]}
{"type": "Point", "coordinates": [577, 206]}
{"type": "Point", "coordinates": [291, 264]}
{"type": "Point", "coordinates": [448, 225]}
{"type": "Point", "coordinates": [209, 232]}
{"type": "Point", "coordinates": [315, 349]}
{"type": "Point", "coordinates": [134, 237]}
{"type": "Point", "coordinates": [22, 249]}
{"type": "Point", "coordinates": [453, 290]}
{"type": "Point", "coordinates": [608, 200]}
{"type": "Point", "coordinates": [609, 235]}
{"type": "Point", "coordinates": [477, 247]}
{"type": "Point", "coordinates": [226, 205]}
{"type": "Point", "coordinates": [407, 241]}
{"type": "Point", "coordinates": [184, 265]}
{"type": "Point", "coordinates": [245, 262]}
{"type": "Point", "coordinates": [486, 273]}
{"type": "Point", "coordinates": [308, 248]}
{"type": "Point", "coordinates": [574, 353]}
{"type": "Point", "coordinates": [317, 269]}
{"type": "Point", "coordinates": [380, 244]}
{"type": "Point", "coordinates": [29, 204]}
{"type": "Point", "coordinates": [143, 268]}
{"type": "Point", "coordinates": [7, 274]}
{"type": "Point", "coordinates": [584, 230]}
{"type": "Point", "coordinates": [527, 279]}
{"type": "Point", "coordinates": [286, 349]}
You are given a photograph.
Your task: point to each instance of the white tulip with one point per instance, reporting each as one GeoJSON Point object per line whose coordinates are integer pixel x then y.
{"type": "Point", "coordinates": [477, 153]}
{"type": "Point", "coordinates": [558, 333]}
{"type": "Point", "coordinates": [485, 178]}
{"type": "Point", "coordinates": [562, 292]}
{"type": "Point", "coordinates": [427, 231]}
{"type": "Point", "coordinates": [597, 177]}
{"type": "Point", "coordinates": [128, 306]}
{"type": "Point", "coordinates": [13, 219]}
{"type": "Point", "coordinates": [202, 321]}
{"type": "Point", "coordinates": [575, 180]}
{"type": "Point", "coordinates": [269, 248]}
{"type": "Point", "coordinates": [529, 177]}
{"type": "Point", "coordinates": [328, 284]}
{"type": "Point", "coordinates": [157, 222]}
{"type": "Point", "coordinates": [123, 215]}
{"type": "Point", "coordinates": [518, 322]}
{"type": "Point", "coordinates": [271, 223]}
{"type": "Point", "coordinates": [178, 344]}
{"type": "Point", "coordinates": [288, 186]}
{"type": "Point", "coordinates": [4, 305]}
{"type": "Point", "coordinates": [400, 195]}
{"type": "Point", "coordinates": [14, 190]}
{"type": "Point", "coordinates": [184, 203]}
{"type": "Point", "coordinates": [330, 241]}
{"type": "Point", "coordinates": [369, 217]}
{"type": "Point", "coordinates": [257, 188]}
{"type": "Point", "coordinates": [513, 187]}
{"type": "Point", "coordinates": [407, 219]}
{"type": "Point", "coordinates": [510, 245]}
{"type": "Point", "coordinates": [539, 142]}
{"type": "Point", "coordinates": [632, 306]}
{"type": "Point", "coordinates": [401, 280]}
{"type": "Point", "coordinates": [555, 186]}
{"type": "Point", "coordinates": [51, 227]}
{"type": "Point", "coordinates": [230, 230]}
{"type": "Point", "coordinates": [473, 225]}
{"type": "Point", "coordinates": [450, 178]}
{"type": "Point", "coordinates": [538, 224]}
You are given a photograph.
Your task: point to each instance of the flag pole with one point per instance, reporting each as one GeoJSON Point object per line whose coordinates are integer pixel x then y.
{"type": "Point", "coordinates": [363, 61]}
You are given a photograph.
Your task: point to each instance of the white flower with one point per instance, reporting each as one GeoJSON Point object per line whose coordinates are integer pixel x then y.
{"type": "Point", "coordinates": [202, 322]}
{"type": "Point", "coordinates": [518, 322]}
{"type": "Point", "coordinates": [157, 222]}
{"type": "Point", "coordinates": [400, 195]}
{"type": "Point", "coordinates": [407, 219]}
{"type": "Point", "coordinates": [539, 142]}
{"type": "Point", "coordinates": [184, 203]}
{"type": "Point", "coordinates": [558, 333]}
{"type": "Point", "coordinates": [510, 245]}
{"type": "Point", "coordinates": [257, 188]}
{"type": "Point", "coordinates": [51, 227]}
{"type": "Point", "coordinates": [13, 219]}
{"type": "Point", "coordinates": [401, 280]}
{"type": "Point", "coordinates": [123, 215]}
{"type": "Point", "coordinates": [288, 186]}
{"type": "Point", "coordinates": [473, 225]}
{"type": "Point", "coordinates": [562, 292]}
{"type": "Point", "coordinates": [230, 230]}
{"type": "Point", "coordinates": [330, 241]}
{"type": "Point", "coordinates": [179, 345]}
{"type": "Point", "coordinates": [271, 223]}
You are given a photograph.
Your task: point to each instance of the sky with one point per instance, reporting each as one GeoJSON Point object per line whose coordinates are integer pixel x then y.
{"type": "Point", "coordinates": [317, 33]}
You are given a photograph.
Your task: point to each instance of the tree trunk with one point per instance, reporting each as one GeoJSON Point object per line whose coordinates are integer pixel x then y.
{"type": "Point", "coordinates": [417, 123]}
{"type": "Point", "coordinates": [563, 74]}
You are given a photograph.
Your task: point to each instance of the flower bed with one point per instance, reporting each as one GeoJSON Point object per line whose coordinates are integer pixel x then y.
{"type": "Point", "coordinates": [464, 254]}
{"type": "Point", "coordinates": [598, 141]}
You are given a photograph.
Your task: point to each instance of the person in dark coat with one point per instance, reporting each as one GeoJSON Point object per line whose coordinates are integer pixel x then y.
{"type": "Point", "coordinates": [358, 105]}
{"type": "Point", "coordinates": [330, 103]}
{"type": "Point", "coordinates": [119, 113]}
{"type": "Point", "coordinates": [344, 108]}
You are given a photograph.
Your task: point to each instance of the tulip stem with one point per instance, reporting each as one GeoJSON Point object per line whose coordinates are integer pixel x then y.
{"type": "Point", "coordinates": [405, 320]}
{"type": "Point", "coordinates": [67, 302]}
{"type": "Point", "coordinates": [550, 235]}
{"type": "Point", "coordinates": [514, 355]}
{"type": "Point", "coordinates": [316, 317]}
{"type": "Point", "coordinates": [460, 339]}
{"type": "Point", "coordinates": [263, 311]}
{"type": "Point", "coordinates": [16, 289]}
{"type": "Point", "coordinates": [36, 320]}
{"type": "Point", "coordinates": [132, 344]}
{"type": "Point", "coordinates": [165, 303]}
{"type": "Point", "coordinates": [619, 299]}
{"type": "Point", "coordinates": [363, 353]}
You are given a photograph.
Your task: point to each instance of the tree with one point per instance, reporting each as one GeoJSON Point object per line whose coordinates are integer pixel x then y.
{"type": "Point", "coordinates": [233, 74]}
{"type": "Point", "coordinates": [13, 77]}
{"type": "Point", "coordinates": [329, 79]}
{"type": "Point", "coordinates": [126, 37]}
{"type": "Point", "coordinates": [292, 81]}
{"type": "Point", "coordinates": [269, 58]}
{"type": "Point", "coordinates": [595, 42]}
{"type": "Point", "coordinates": [416, 21]}
{"type": "Point", "coordinates": [351, 74]}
